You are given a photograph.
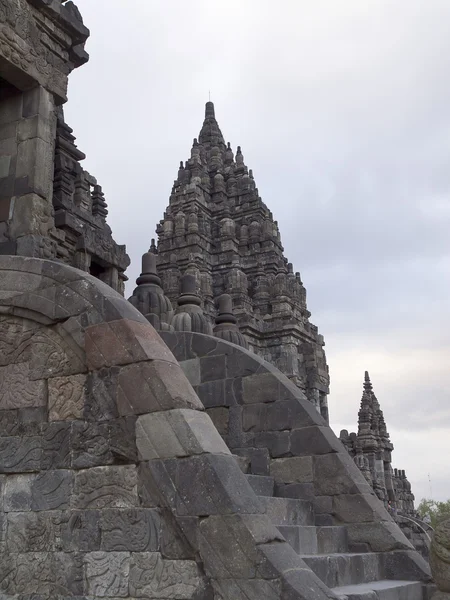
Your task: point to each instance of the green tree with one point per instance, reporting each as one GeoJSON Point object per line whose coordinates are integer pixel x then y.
{"type": "Point", "coordinates": [437, 511]}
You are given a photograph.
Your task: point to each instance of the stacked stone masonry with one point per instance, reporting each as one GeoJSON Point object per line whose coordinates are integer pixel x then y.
{"type": "Point", "coordinates": [50, 207]}
{"type": "Point", "coordinates": [115, 483]}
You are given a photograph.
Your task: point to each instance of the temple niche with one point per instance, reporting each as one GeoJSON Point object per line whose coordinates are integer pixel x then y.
{"type": "Point", "coordinates": [217, 228]}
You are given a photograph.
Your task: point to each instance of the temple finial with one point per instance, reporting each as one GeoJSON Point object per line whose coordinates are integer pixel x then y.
{"type": "Point", "coordinates": [209, 110]}
{"type": "Point", "coordinates": [367, 382]}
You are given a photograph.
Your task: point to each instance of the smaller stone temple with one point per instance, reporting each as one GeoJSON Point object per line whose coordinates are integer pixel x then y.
{"type": "Point", "coordinates": [371, 449]}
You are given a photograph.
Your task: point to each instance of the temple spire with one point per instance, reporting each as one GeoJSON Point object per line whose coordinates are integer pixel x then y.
{"type": "Point", "coordinates": [209, 110]}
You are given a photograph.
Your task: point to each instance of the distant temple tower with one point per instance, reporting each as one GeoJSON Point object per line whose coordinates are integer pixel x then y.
{"type": "Point", "coordinates": [217, 229]}
{"type": "Point", "coordinates": [371, 449]}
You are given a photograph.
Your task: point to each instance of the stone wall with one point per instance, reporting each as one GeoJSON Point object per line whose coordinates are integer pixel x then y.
{"type": "Point", "coordinates": [114, 481]}
{"type": "Point", "coordinates": [266, 419]}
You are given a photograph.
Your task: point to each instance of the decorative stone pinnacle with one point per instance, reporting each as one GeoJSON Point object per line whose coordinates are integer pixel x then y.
{"type": "Point", "coordinates": [209, 110]}
{"type": "Point", "coordinates": [153, 247]}
{"type": "Point", "coordinates": [149, 273]}
{"type": "Point", "coordinates": [225, 310]}
{"type": "Point", "coordinates": [367, 382]}
{"type": "Point", "coordinates": [188, 291]}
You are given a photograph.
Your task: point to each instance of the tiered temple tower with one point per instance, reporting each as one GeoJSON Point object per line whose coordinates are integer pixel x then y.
{"type": "Point", "coordinates": [218, 229]}
{"type": "Point", "coordinates": [372, 449]}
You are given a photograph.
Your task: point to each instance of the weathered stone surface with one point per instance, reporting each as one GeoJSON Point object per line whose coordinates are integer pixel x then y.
{"type": "Point", "coordinates": [123, 342]}
{"type": "Point", "coordinates": [440, 556]}
{"type": "Point", "coordinates": [337, 474]}
{"type": "Point", "coordinates": [151, 576]}
{"type": "Point", "coordinates": [17, 492]}
{"type": "Point", "coordinates": [80, 530]}
{"type": "Point", "coordinates": [90, 445]}
{"type": "Point", "coordinates": [32, 532]}
{"type": "Point", "coordinates": [56, 439]}
{"type": "Point", "coordinates": [201, 485]}
{"type": "Point", "coordinates": [17, 391]}
{"type": "Point", "coordinates": [133, 530]}
{"type": "Point", "coordinates": [106, 573]}
{"type": "Point", "coordinates": [381, 536]}
{"type": "Point", "coordinates": [101, 395]}
{"type": "Point", "coordinates": [154, 386]}
{"type": "Point", "coordinates": [295, 469]}
{"type": "Point", "coordinates": [243, 533]}
{"type": "Point", "coordinates": [51, 490]}
{"type": "Point", "coordinates": [106, 487]}
{"type": "Point", "coordinates": [52, 573]}
{"type": "Point", "coordinates": [179, 432]}
{"type": "Point", "coordinates": [19, 455]}
{"type": "Point", "coordinates": [66, 397]}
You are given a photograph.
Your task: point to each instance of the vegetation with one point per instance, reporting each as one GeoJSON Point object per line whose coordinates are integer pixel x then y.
{"type": "Point", "coordinates": [437, 511]}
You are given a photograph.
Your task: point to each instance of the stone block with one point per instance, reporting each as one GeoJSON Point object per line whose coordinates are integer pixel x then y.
{"type": "Point", "coordinates": [220, 417]}
{"type": "Point", "coordinates": [303, 491]}
{"type": "Point", "coordinates": [17, 492]}
{"type": "Point", "coordinates": [383, 536]}
{"type": "Point", "coordinates": [17, 391]}
{"type": "Point", "coordinates": [295, 469]}
{"type": "Point", "coordinates": [154, 386]}
{"type": "Point", "coordinates": [101, 395]}
{"type": "Point", "coordinates": [54, 574]}
{"type": "Point", "coordinates": [212, 368]}
{"type": "Point", "coordinates": [277, 442]}
{"type": "Point", "coordinates": [200, 485]}
{"type": "Point", "coordinates": [259, 459]}
{"type": "Point", "coordinates": [20, 455]}
{"type": "Point", "coordinates": [407, 565]}
{"type": "Point", "coordinates": [191, 369]}
{"type": "Point", "coordinates": [80, 530]}
{"type": "Point", "coordinates": [212, 394]}
{"type": "Point", "coordinates": [32, 532]}
{"type": "Point", "coordinates": [261, 387]}
{"type": "Point", "coordinates": [357, 508]}
{"type": "Point", "coordinates": [56, 442]}
{"type": "Point", "coordinates": [152, 576]}
{"type": "Point", "coordinates": [90, 445]}
{"type": "Point", "coordinates": [66, 397]}
{"type": "Point", "coordinates": [179, 432]}
{"type": "Point", "coordinates": [35, 162]}
{"type": "Point", "coordinates": [337, 474]}
{"type": "Point", "coordinates": [132, 530]}
{"type": "Point", "coordinates": [320, 440]}
{"type": "Point", "coordinates": [249, 589]}
{"type": "Point", "coordinates": [51, 490]}
{"type": "Point", "coordinates": [243, 533]}
{"type": "Point", "coordinates": [106, 487]}
{"type": "Point", "coordinates": [23, 422]}
{"type": "Point", "coordinates": [123, 342]}
{"type": "Point", "coordinates": [122, 440]}
{"type": "Point", "coordinates": [174, 542]}
{"type": "Point", "coordinates": [242, 364]}
{"type": "Point", "coordinates": [107, 573]}
{"type": "Point", "coordinates": [323, 504]}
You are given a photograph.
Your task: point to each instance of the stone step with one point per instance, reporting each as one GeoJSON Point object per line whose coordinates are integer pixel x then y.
{"type": "Point", "coordinates": [302, 539]}
{"type": "Point", "coordinates": [381, 590]}
{"type": "Point", "coordinates": [346, 568]}
{"type": "Point", "coordinates": [288, 511]}
{"type": "Point", "coordinates": [332, 539]}
{"type": "Point", "coordinates": [315, 540]}
{"type": "Point", "coordinates": [261, 485]}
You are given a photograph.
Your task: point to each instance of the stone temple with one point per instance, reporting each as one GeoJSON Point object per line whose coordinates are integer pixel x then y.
{"type": "Point", "coordinates": [175, 446]}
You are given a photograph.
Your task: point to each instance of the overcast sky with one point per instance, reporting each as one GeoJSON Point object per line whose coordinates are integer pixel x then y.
{"type": "Point", "coordinates": [342, 110]}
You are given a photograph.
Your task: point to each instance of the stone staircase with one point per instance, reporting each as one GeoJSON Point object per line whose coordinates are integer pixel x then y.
{"type": "Point", "coordinates": [324, 548]}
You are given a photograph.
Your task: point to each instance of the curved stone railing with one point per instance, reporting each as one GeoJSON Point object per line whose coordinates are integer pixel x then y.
{"type": "Point", "coordinates": [266, 418]}
{"type": "Point", "coordinates": [115, 481]}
